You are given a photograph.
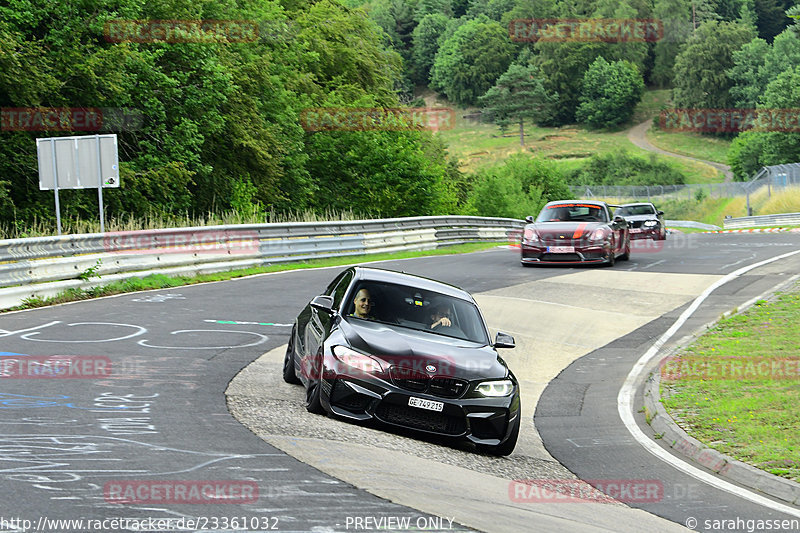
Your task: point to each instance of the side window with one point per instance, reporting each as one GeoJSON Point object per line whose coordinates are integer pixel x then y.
{"type": "Point", "coordinates": [341, 288]}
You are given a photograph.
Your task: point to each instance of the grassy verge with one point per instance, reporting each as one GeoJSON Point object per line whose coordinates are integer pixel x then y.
{"type": "Point", "coordinates": [161, 281]}
{"type": "Point", "coordinates": [478, 145]}
{"type": "Point", "coordinates": [74, 226]}
{"type": "Point", "coordinates": [691, 144]}
{"type": "Point", "coordinates": [719, 391]}
{"type": "Point", "coordinates": [651, 104]}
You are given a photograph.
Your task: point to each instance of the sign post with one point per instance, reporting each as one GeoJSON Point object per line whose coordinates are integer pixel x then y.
{"type": "Point", "coordinates": [80, 162]}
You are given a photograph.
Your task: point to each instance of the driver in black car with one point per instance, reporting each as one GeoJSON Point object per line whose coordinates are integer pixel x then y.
{"type": "Point", "coordinates": [363, 305]}
{"type": "Point", "coordinates": [440, 316]}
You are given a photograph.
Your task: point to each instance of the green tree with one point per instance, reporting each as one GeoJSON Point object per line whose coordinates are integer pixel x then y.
{"type": "Point", "coordinates": [562, 66]}
{"type": "Point", "coordinates": [517, 188]}
{"type": "Point", "coordinates": [470, 61]}
{"type": "Point", "coordinates": [623, 168]}
{"type": "Point", "coordinates": [701, 79]}
{"type": "Point", "coordinates": [768, 143]}
{"type": "Point", "coordinates": [518, 95]}
{"type": "Point", "coordinates": [426, 44]}
{"type": "Point", "coordinates": [385, 174]}
{"type": "Point", "coordinates": [748, 74]}
{"type": "Point", "coordinates": [610, 93]}
{"type": "Point", "coordinates": [676, 18]}
{"type": "Point", "coordinates": [757, 63]}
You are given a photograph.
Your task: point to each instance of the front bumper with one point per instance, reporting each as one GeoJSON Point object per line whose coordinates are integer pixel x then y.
{"type": "Point", "coordinates": [482, 420]}
{"type": "Point", "coordinates": [645, 233]}
{"type": "Point", "coordinates": [539, 254]}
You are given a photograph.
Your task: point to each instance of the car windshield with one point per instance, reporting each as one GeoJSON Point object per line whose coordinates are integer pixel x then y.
{"type": "Point", "coordinates": [631, 210]}
{"type": "Point", "coordinates": [412, 308]}
{"type": "Point", "coordinates": [572, 212]}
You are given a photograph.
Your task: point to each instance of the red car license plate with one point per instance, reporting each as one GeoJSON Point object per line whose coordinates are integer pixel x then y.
{"type": "Point", "coordinates": [636, 230]}
{"type": "Point", "coordinates": [425, 404]}
{"type": "Point", "coordinates": [561, 249]}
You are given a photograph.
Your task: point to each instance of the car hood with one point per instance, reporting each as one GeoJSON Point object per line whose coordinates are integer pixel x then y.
{"type": "Point", "coordinates": [636, 218]}
{"type": "Point", "coordinates": [412, 349]}
{"type": "Point", "coordinates": [566, 230]}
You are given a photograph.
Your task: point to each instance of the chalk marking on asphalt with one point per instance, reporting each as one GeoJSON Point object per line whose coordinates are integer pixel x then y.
{"type": "Point", "coordinates": [628, 391]}
{"type": "Point", "coordinates": [244, 323]}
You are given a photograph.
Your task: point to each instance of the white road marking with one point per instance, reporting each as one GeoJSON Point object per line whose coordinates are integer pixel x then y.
{"type": "Point", "coordinates": [628, 391]}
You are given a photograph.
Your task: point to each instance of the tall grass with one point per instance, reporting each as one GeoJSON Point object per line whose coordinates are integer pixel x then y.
{"type": "Point", "coordinates": [713, 210]}
{"type": "Point", "coordinates": [154, 220]}
{"type": "Point", "coordinates": [784, 201]}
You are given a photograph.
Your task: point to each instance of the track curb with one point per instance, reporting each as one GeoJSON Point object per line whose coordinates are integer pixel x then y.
{"type": "Point", "coordinates": [682, 443]}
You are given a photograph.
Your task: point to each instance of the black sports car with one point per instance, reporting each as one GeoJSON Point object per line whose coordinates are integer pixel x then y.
{"type": "Point", "coordinates": [645, 221]}
{"type": "Point", "coordinates": [405, 351]}
{"type": "Point", "coordinates": [575, 231]}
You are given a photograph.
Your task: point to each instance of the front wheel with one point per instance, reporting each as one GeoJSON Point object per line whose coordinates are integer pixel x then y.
{"type": "Point", "coordinates": [611, 258]}
{"type": "Point", "coordinates": [289, 375]}
{"type": "Point", "coordinates": [627, 253]}
{"type": "Point", "coordinates": [314, 389]}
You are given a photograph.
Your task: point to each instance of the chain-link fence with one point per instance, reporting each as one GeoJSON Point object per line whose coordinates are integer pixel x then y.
{"type": "Point", "coordinates": [772, 177]}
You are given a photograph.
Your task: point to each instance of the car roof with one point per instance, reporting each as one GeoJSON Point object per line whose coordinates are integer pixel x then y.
{"type": "Point", "coordinates": [596, 203]}
{"type": "Point", "coordinates": [402, 278]}
{"type": "Point", "coordinates": [637, 203]}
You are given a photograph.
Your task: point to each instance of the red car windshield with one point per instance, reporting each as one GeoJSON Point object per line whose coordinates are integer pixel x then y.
{"type": "Point", "coordinates": [572, 212]}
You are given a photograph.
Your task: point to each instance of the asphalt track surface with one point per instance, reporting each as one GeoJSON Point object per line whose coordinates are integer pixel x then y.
{"type": "Point", "coordinates": [161, 414]}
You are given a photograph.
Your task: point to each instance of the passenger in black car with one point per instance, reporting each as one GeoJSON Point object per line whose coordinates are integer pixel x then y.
{"type": "Point", "coordinates": [440, 315]}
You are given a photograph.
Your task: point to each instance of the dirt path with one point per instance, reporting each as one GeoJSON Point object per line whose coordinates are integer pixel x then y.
{"type": "Point", "coordinates": [637, 135]}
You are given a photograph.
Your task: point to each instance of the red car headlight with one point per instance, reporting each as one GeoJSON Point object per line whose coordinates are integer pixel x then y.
{"type": "Point", "coordinates": [600, 234]}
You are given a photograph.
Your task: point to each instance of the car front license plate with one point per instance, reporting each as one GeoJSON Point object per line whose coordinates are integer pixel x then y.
{"type": "Point", "coordinates": [636, 230]}
{"type": "Point", "coordinates": [425, 404]}
{"type": "Point", "coordinates": [561, 249]}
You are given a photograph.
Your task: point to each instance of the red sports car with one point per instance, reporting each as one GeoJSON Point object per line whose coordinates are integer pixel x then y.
{"type": "Point", "coordinates": [579, 231]}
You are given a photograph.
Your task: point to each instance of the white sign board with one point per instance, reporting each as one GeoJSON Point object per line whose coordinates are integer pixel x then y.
{"type": "Point", "coordinates": [76, 163]}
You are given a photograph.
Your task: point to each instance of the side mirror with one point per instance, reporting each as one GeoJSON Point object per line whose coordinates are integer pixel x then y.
{"type": "Point", "coordinates": [323, 303]}
{"type": "Point", "coordinates": [661, 213]}
{"type": "Point", "coordinates": [529, 219]}
{"type": "Point", "coordinates": [619, 220]}
{"type": "Point", "coordinates": [503, 340]}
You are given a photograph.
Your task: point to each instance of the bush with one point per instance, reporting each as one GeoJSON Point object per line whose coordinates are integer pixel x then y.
{"type": "Point", "coordinates": [609, 93]}
{"type": "Point", "coordinates": [516, 189]}
{"type": "Point", "coordinates": [622, 168]}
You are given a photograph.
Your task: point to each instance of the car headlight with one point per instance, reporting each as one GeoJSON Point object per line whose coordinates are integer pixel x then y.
{"type": "Point", "coordinates": [530, 235]}
{"type": "Point", "coordinates": [503, 387]}
{"type": "Point", "coordinates": [650, 223]}
{"type": "Point", "coordinates": [600, 235]}
{"type": "Point", "coordinates": [356, 360]}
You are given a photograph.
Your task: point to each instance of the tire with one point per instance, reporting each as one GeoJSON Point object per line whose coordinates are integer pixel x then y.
{"type": "Point", "coordinates": [611, 257]}
{"type": "Point", "coordinates": [508, 446]}
{"type": "Point", "coordinates": [314, 390]}
{"type": "Point", "coordinates": [627, 254]}
{"type": "Point", "coordinates": [289, 375]}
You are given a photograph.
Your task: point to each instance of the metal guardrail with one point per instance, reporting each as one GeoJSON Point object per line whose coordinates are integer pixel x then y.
{"type": "Point", "coordinates": [785, 219]}
{"type": "Point", "coordinates": [42, 266]}
{"type": "Point", "coordinates": [690, 224]}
